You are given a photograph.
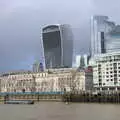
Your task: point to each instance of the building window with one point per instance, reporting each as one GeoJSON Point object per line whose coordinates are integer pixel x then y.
{"type": "Point", "coordinates": [112, 88]}
{"type": "Point", "coordinates": [107, 68]}
{"type": "Point", "coordinates": [115, 67]}
{"type": "Point", "coordinates": [115, 83]}
{"type": "Point", "coordinates": [98, 88]}
{"type": "Point", "coordinates": [99, 76]}
{"type": "Point", "coordinates": [99, 72]}
{"type": "Point", "coordinates": [110, 60]}
{"type": "Point", "coordinates": [115, 75]}
{"type": "Point", "coordinates": [99, 65]}
{"type": "Point", "coordinates": [100, 83]}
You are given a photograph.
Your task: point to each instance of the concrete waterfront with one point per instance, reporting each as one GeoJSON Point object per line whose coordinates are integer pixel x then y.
{"type": "Point", "coordinates": [36, 97]}
{"type": "Point", "coordinates": [66, 97]}
{"type": "Point", "coordinates": [93, 98]}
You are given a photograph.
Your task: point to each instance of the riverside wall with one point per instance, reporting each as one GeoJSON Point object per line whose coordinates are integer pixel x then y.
{"type": "Point", "coordinates": [93, 98]}
{"type": "Point", "coordinates": [81, 98]}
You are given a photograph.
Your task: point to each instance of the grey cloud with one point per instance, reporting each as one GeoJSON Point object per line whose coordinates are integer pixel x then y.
{"type": "Point", "coordinates": [107, 7]}
{"type": "Point", "coordinates": [21, 22]}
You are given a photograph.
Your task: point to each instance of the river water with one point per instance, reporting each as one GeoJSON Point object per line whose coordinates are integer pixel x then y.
{"type": "Point", "coordinates": [60, 111]}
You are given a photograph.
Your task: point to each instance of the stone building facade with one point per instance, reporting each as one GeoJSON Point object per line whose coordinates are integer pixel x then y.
{"type": "Point", "coordinates": [48, 81]}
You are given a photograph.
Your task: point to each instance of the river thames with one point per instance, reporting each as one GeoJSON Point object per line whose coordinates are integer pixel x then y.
{"type": "Point", "coordinates": [60, 111]}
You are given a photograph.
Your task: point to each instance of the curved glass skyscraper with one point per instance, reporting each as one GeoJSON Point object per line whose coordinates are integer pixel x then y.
{"type": "Point", "coordinates": [100, 26]}
{"type": "Point", "coordinates": [58, 46]}
{"type": "Point", "coordinates": [112, 42]}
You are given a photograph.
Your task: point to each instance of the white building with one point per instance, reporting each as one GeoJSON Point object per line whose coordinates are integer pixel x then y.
{"type": "Point", "coordinates": [106, 71]}
{"type": "Point", "coordinates": [83, 62]}
{"type": "Point", "coordinates": [53, 80]}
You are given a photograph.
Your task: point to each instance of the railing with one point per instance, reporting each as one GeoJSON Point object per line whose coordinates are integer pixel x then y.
{"type": "Point", "coordinates": [31, 93]}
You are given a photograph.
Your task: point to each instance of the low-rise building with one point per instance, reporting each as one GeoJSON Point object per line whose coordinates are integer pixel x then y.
{"type": "Point", "coordinates": [52, 80]}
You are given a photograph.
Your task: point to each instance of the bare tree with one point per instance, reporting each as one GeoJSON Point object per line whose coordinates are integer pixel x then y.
{"type": "Point", "coordinates": [74, 81]}
{"type": "Point", "coordinates": [33, 84]}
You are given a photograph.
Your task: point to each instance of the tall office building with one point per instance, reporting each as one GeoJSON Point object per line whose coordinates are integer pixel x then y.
{"type": "Point", "coordinates": [38, 67]}
{"type": "Point", "coordinates": [78, 57]}
{"type": "Point", "coordinates": [58, 46]}
{"type": "Point", "coordinates": [82, 60]}
{"type": "Point", "coordinates": [100, 26]}
{"type": "Point", "coordinates": [112, 41]}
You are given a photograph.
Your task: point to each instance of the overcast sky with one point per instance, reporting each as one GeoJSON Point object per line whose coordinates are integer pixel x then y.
{"type": "Point", "coordinates": [21, 22]}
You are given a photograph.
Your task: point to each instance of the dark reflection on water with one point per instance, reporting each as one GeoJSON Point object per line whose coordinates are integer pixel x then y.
{"type": "Point", "coordinates": [60, 111]}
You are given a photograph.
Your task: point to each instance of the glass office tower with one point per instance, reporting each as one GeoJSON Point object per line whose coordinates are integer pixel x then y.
{"type": "Point", "coordinates": [112, 41]}
{"type": "Point", "coordinates": [100, 26]}
{"type": "Point", "coordinates": [58, 46]}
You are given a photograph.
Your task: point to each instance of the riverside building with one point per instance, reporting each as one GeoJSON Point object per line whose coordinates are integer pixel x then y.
{"type": "Point", "coordinates": [52, 80]}
{"type": "Point", "coordinates": [106, 71]}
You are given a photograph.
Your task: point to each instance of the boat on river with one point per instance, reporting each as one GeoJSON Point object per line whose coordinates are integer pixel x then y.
{"type": "Point", "coordinates": [19, 102]}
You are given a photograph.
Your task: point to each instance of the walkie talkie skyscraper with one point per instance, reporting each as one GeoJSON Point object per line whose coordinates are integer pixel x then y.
{"type": "Point", "coordinates": [58, 46]}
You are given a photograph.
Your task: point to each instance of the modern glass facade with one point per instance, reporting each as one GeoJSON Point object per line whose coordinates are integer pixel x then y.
{"type": "Point", "coordinates": [82, 60]}
{"type": "Point", "coordinates": [58, 46]}
{"type": "Point", "coordinates": [112, 42]}
{"type": "Point", "coordinates": [100, 26]}
{"type": "Point", "coordinates": [37, 66]}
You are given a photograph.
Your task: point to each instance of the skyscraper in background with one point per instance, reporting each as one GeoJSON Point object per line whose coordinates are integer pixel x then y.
{"type": "Point", "coordinates": [78, 57]}
{"type": "Point", "coordinates": [58, 46]}
{"type": "Point", "coordinates": [38, 66]}
{"type": "Point", "coordinates": [112, 41]}
{"type": "Point", "coordinates": [100, 26]}
{"type": "Point", "coordinates": [82, 60]}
